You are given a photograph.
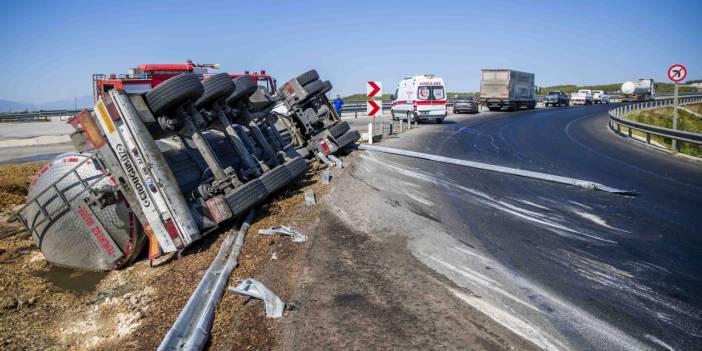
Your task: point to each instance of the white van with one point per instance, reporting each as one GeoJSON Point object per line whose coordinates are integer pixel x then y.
{"type": "Point", "coordinates": [420, 98]}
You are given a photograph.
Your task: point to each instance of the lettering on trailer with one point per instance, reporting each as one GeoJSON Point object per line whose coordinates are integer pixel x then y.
{"type": "Point", "coordinates": [99, 236]}
{"type": "Point", "coordinates": [142, 172]}
{"type": "Point", "coordinates": [151, 213]}
{"type": "Point", "coordinates": [677, 73]}
{"type": "Point", "coordinates": [374, 92]}
{"type": "Point", "coordinates": [130, 123]}
{"type": "Point", "coordinates": [132, 174]}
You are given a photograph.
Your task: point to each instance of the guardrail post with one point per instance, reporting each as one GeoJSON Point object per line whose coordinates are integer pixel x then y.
{"type": "Point", "coordinates": [648, 138]}
{"type": "Point", "coordinates": [619, 128]}
{"type": "Point", "coordinates": [355, 114]}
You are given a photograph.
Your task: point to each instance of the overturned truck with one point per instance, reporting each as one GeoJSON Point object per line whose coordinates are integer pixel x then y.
{"type": "Point", "coordinates": [164, 167]}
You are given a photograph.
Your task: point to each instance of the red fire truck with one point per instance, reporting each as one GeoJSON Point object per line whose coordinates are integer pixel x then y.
{"type": "Point", "coordinates": [145, 77]}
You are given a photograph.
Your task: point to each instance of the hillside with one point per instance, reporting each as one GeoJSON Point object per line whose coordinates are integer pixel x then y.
{"type": "Point", "coordinates": [661, 87]}
{"type": "Point", "coordinates": [614, 87]}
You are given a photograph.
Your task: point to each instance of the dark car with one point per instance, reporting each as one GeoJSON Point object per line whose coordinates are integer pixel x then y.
{"type": "Point", "coordinates": [556, 98]}
{"type": "Point", "coordinates": [465, 104]}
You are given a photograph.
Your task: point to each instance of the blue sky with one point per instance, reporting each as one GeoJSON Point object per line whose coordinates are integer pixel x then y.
{"type": "Point", "coordinates": [49, 50]}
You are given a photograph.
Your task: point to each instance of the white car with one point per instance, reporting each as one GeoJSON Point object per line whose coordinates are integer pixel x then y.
{"type": "Point", "coordinates": [420, 98]}
{"type": "Point", "coordinates": [582, 97]}
{"type": "Point", "coordinates": [600, 97]}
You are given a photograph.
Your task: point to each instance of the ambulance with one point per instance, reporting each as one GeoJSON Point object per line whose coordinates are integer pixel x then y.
{"type": "Point", "coordinates": [420, 98]}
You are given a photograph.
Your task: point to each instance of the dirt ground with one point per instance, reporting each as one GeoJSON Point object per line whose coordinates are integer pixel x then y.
{"type": "Point", "coordinates": [134, 307]}
{"type": "Point", "coordinates": [345, 288]}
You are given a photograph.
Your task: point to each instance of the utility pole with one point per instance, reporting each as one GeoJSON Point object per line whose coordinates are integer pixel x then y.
{"type": "Point", "coordinates": [675, 115]}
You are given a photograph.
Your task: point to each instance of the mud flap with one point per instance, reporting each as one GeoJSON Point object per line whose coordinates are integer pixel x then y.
{"type": "Point", "coordinates": [154, 248]}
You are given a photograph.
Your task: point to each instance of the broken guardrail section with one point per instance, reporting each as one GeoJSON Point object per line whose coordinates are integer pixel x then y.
{"type": "Point", "coordinates": [501, 169]}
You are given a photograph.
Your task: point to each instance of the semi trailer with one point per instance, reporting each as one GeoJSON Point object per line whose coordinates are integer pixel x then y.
{"type": "Point", "coordinates": [165, 166]}
{"type": "Point", "coordinates": [638, 90]}
{"type": "Point", "coordinates": [508, 89]}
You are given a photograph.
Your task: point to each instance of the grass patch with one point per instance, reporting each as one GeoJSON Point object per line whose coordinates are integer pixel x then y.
{"type": "Point", "coordinates": [663, 117]}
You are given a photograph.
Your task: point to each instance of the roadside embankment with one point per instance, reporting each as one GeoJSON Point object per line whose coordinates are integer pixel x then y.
{"type": "Point", "coordinates": [663, 117]}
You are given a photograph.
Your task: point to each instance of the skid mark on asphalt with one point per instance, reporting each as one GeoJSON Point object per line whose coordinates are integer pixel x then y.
{"type": "Point", "coordinates": [581, 205]}
{"type": "Point", "coordinates": [558, 224]}
{"type": "Point", "coordinates": [659, 342]}
{"type": "Point", "coordinates": [657, 305]}
{"type": "Point", "coordinates": [509, 320]}
{"type": "Point", "coordinates": [499, 292]}
{"type": "Point", "coordinates": [597, 220]}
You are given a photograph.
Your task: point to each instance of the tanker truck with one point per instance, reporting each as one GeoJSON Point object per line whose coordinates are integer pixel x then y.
{"type": "Point", "coordinates": [164, 166]}
{"type": "Point", "coordinates": [638, 90]}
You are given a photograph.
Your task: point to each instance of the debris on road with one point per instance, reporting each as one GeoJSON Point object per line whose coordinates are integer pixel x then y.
{"type": "Point", "coordinates": [309, 198]}
{"type": "Point", "coordinates": [339, 164]}
{"type": "Point", "coordinates": [326, 177]}
{"type": "Point", "coordinates": [253, 288]}
{"type": "Point", "coordinates": [283, 230]}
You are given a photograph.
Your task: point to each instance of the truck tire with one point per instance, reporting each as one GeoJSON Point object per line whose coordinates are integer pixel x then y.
{"type": "Point", "coordinates": [307, 77]}
{"type": "Point", "coordinates": [439, 120]}
{"type": "Point", "coordinates": [314, 87]}
{"type": "Point", "coordinates": [327, 87]}
{"type": "Point", "coordinates": [339, 129]}
{"type": "Point", "coordinates": [173, 93]}
{"type": "Point", "coordinates": [216, 87]}
{"type": "Point", "coordinates": [243, 87]}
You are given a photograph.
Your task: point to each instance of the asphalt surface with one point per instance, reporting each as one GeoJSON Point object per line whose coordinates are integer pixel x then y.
{"type": "Point", "coordinates": [561, 266]}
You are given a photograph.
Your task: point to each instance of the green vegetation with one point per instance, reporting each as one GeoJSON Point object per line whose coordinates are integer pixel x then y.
{"type": "Point", "coordinates": [663, 117]}
{"type": "Point", "coordinates": [660, 88]}
{"type": "Point", "coordinates": [568, 88]}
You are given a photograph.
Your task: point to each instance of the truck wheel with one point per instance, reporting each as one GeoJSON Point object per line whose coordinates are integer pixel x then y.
{"type": "Point", "coordinates": [307, 77]}
{"type": "Point", "coordinates": [314, 87]}
{"type": "Point", "coordinates": [327, 87]}
{"type": "Point", "coordinates": [243, 87]}
{"type": "Point", "coordinates": [173, 93]}
{"type": "Point", "coordinates": [439, 120]}
{"type": "Point", "coordinates": [216, 87]}
{"type": "Point", "coordinates": [339, 129]}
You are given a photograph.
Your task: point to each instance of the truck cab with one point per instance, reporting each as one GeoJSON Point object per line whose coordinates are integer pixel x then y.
{"type": "Point", "coordinates": [420, 98]}
{"type": "Point", "coordinates": [145, 77]}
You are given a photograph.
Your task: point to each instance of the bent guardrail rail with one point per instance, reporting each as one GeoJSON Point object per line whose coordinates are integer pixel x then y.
{"type": "Point", "coordinates": [616, 121]}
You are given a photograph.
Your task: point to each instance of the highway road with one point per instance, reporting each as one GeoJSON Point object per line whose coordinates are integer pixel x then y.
{"type": "Point", "coordinates": [564, 267]}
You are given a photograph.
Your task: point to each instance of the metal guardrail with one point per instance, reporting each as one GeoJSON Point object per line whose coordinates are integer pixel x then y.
{"type": "Point", "coordinates": [616, 120]}
{"type": "Point", "coordinates": [36, 115]}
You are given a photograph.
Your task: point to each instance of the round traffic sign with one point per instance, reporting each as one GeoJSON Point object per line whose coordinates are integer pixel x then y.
{"type": "Point", "coordinates": [677, 73]}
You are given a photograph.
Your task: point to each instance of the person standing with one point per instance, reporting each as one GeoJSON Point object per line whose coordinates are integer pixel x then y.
{"type": "Point", "coordinates": [338, 105]}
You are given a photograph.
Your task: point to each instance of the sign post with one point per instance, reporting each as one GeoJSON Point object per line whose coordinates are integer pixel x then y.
{"type": "Point", "coordinates": [374, 105]}
{"type": "Point", "coordinates": [676, 73]}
